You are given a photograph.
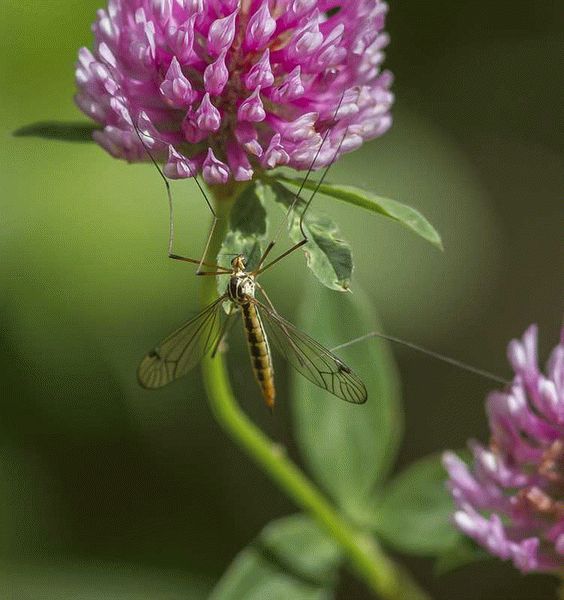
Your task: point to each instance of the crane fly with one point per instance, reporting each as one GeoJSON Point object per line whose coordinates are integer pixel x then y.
{"type": "Point", "coordinates": [182, 350]}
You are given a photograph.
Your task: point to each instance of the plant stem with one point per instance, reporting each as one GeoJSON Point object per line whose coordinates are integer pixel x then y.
{"type": "Point", "coordinates": [365, 555]}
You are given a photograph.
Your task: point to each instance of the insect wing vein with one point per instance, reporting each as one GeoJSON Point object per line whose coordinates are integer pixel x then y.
{"type": "Point", "coordinates": [183, 349]}
{"type": "Point", "coordinates": [311, 359]}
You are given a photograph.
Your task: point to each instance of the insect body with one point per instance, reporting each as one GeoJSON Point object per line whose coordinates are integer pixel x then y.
{"type": "Point", "coordinates": [242, 285]}
{"type": "Point", "coordinates": [259, 349]}
{"type": "Point", "coordinates": [241, 291]}
{"type": "Point", "coordinates": [182, 350]}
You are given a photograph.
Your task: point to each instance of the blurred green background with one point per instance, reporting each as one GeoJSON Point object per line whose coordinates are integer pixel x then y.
{"type": "Point", "coordinates": [108, 491]}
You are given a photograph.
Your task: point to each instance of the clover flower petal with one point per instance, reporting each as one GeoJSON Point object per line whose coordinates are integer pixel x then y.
{"type": "Point", "coordinates": [251, 85]}
{"type": "Point", "coordinates": [511, 499]}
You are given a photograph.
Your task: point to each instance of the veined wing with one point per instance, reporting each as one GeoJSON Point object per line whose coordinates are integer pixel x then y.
{"type": "Point", "coordinates": [183, 349]}
{"type": "Point", "coordinates": [311, 359]}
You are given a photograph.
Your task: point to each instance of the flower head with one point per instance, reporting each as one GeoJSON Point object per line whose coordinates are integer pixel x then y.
{"type": "Point", "coordinates": [228, 87]}
{"type": "Point", "coordinates": [512, 500]}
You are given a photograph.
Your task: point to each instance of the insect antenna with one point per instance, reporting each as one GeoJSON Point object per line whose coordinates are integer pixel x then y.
{"type": "Point", "coordinates": [140, 134]}
{"type": "Point", "coordinates": [451, 361]}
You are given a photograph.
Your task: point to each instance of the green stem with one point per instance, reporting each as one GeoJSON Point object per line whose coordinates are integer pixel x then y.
{"type": "Point", "coordinates": [365, 555]}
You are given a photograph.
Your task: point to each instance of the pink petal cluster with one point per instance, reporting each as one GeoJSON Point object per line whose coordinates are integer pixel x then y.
{"type": "Point", "coordinates": [229, 87]}
{"type": "Point", "coordinates": [512, 499]}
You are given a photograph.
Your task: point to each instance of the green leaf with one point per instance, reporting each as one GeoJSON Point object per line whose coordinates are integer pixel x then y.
{"type": "Point", "coordinates": [348, 448]}
{"type": "Point", "coordinates": [463, 552]}
{"type": "Point", "coordinates": [251, 576]}
{"type": "Point", "coordinates": [299, 543]}
{"type": "Point", "coordinates": [247, 226]}
{"type": "Point", "coordinates": [247, 230]}
{"type": "Point", "coordinates": [414, 511]}
{"type": "Point", "coordinates": [407, 216]}
{"type": "Point", "coordinates": [291, 558]}
{"type": "Point", "coordinates": [65, 131]}
{"type": "Point", "coordinates": [327, 255]}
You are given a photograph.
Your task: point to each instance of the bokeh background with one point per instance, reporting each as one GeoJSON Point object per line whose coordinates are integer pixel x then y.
{"type": "Point", "coordinates": [108, 491]}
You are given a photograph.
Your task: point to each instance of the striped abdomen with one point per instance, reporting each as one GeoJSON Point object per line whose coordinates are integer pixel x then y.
{"type": "Point", "coordinates": [259, 350]}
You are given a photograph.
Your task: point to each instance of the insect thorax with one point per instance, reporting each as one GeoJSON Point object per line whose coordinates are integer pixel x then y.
{"type": "Point", "coordinates": [241, 287]}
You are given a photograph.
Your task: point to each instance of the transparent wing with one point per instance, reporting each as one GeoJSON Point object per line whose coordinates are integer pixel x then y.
{"type": "Point", "coordinates": [183, 349]}
{"type": "Point", "coordinates": [311, 359]}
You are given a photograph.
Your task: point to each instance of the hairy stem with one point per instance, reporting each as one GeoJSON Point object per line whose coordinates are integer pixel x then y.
{"type": "Point", "coordinates": [365, 556]}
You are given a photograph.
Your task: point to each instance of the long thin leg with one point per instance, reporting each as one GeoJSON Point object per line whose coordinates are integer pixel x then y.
{"type": "Point", "coordinates": [140, 135]}
{"type": "Point", "coordinates": [201, 263]}
{"type": "Point", "coordinates": [268, 300]}
{"type": "Point", "coordinates": [320, 183]}
{"type": "Point", "coordinates": [221, 270]}
{"type": "Point", "coordinates": [283, 255]}
{"type": "Point", "coordinates": [168, 190]}
{"type": "Point", "coordinates": [263, 258]}
{"type": "Point", "coordinates": [261, 269]}
{"type": "Point", "coordinates": [297, 197]}
{"type": "Point", "coordinates": [431, 353]}
{"type": "Point", "coordinates": [304, 240]}
{"type": "Point", "coordinates": [208, 241]}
